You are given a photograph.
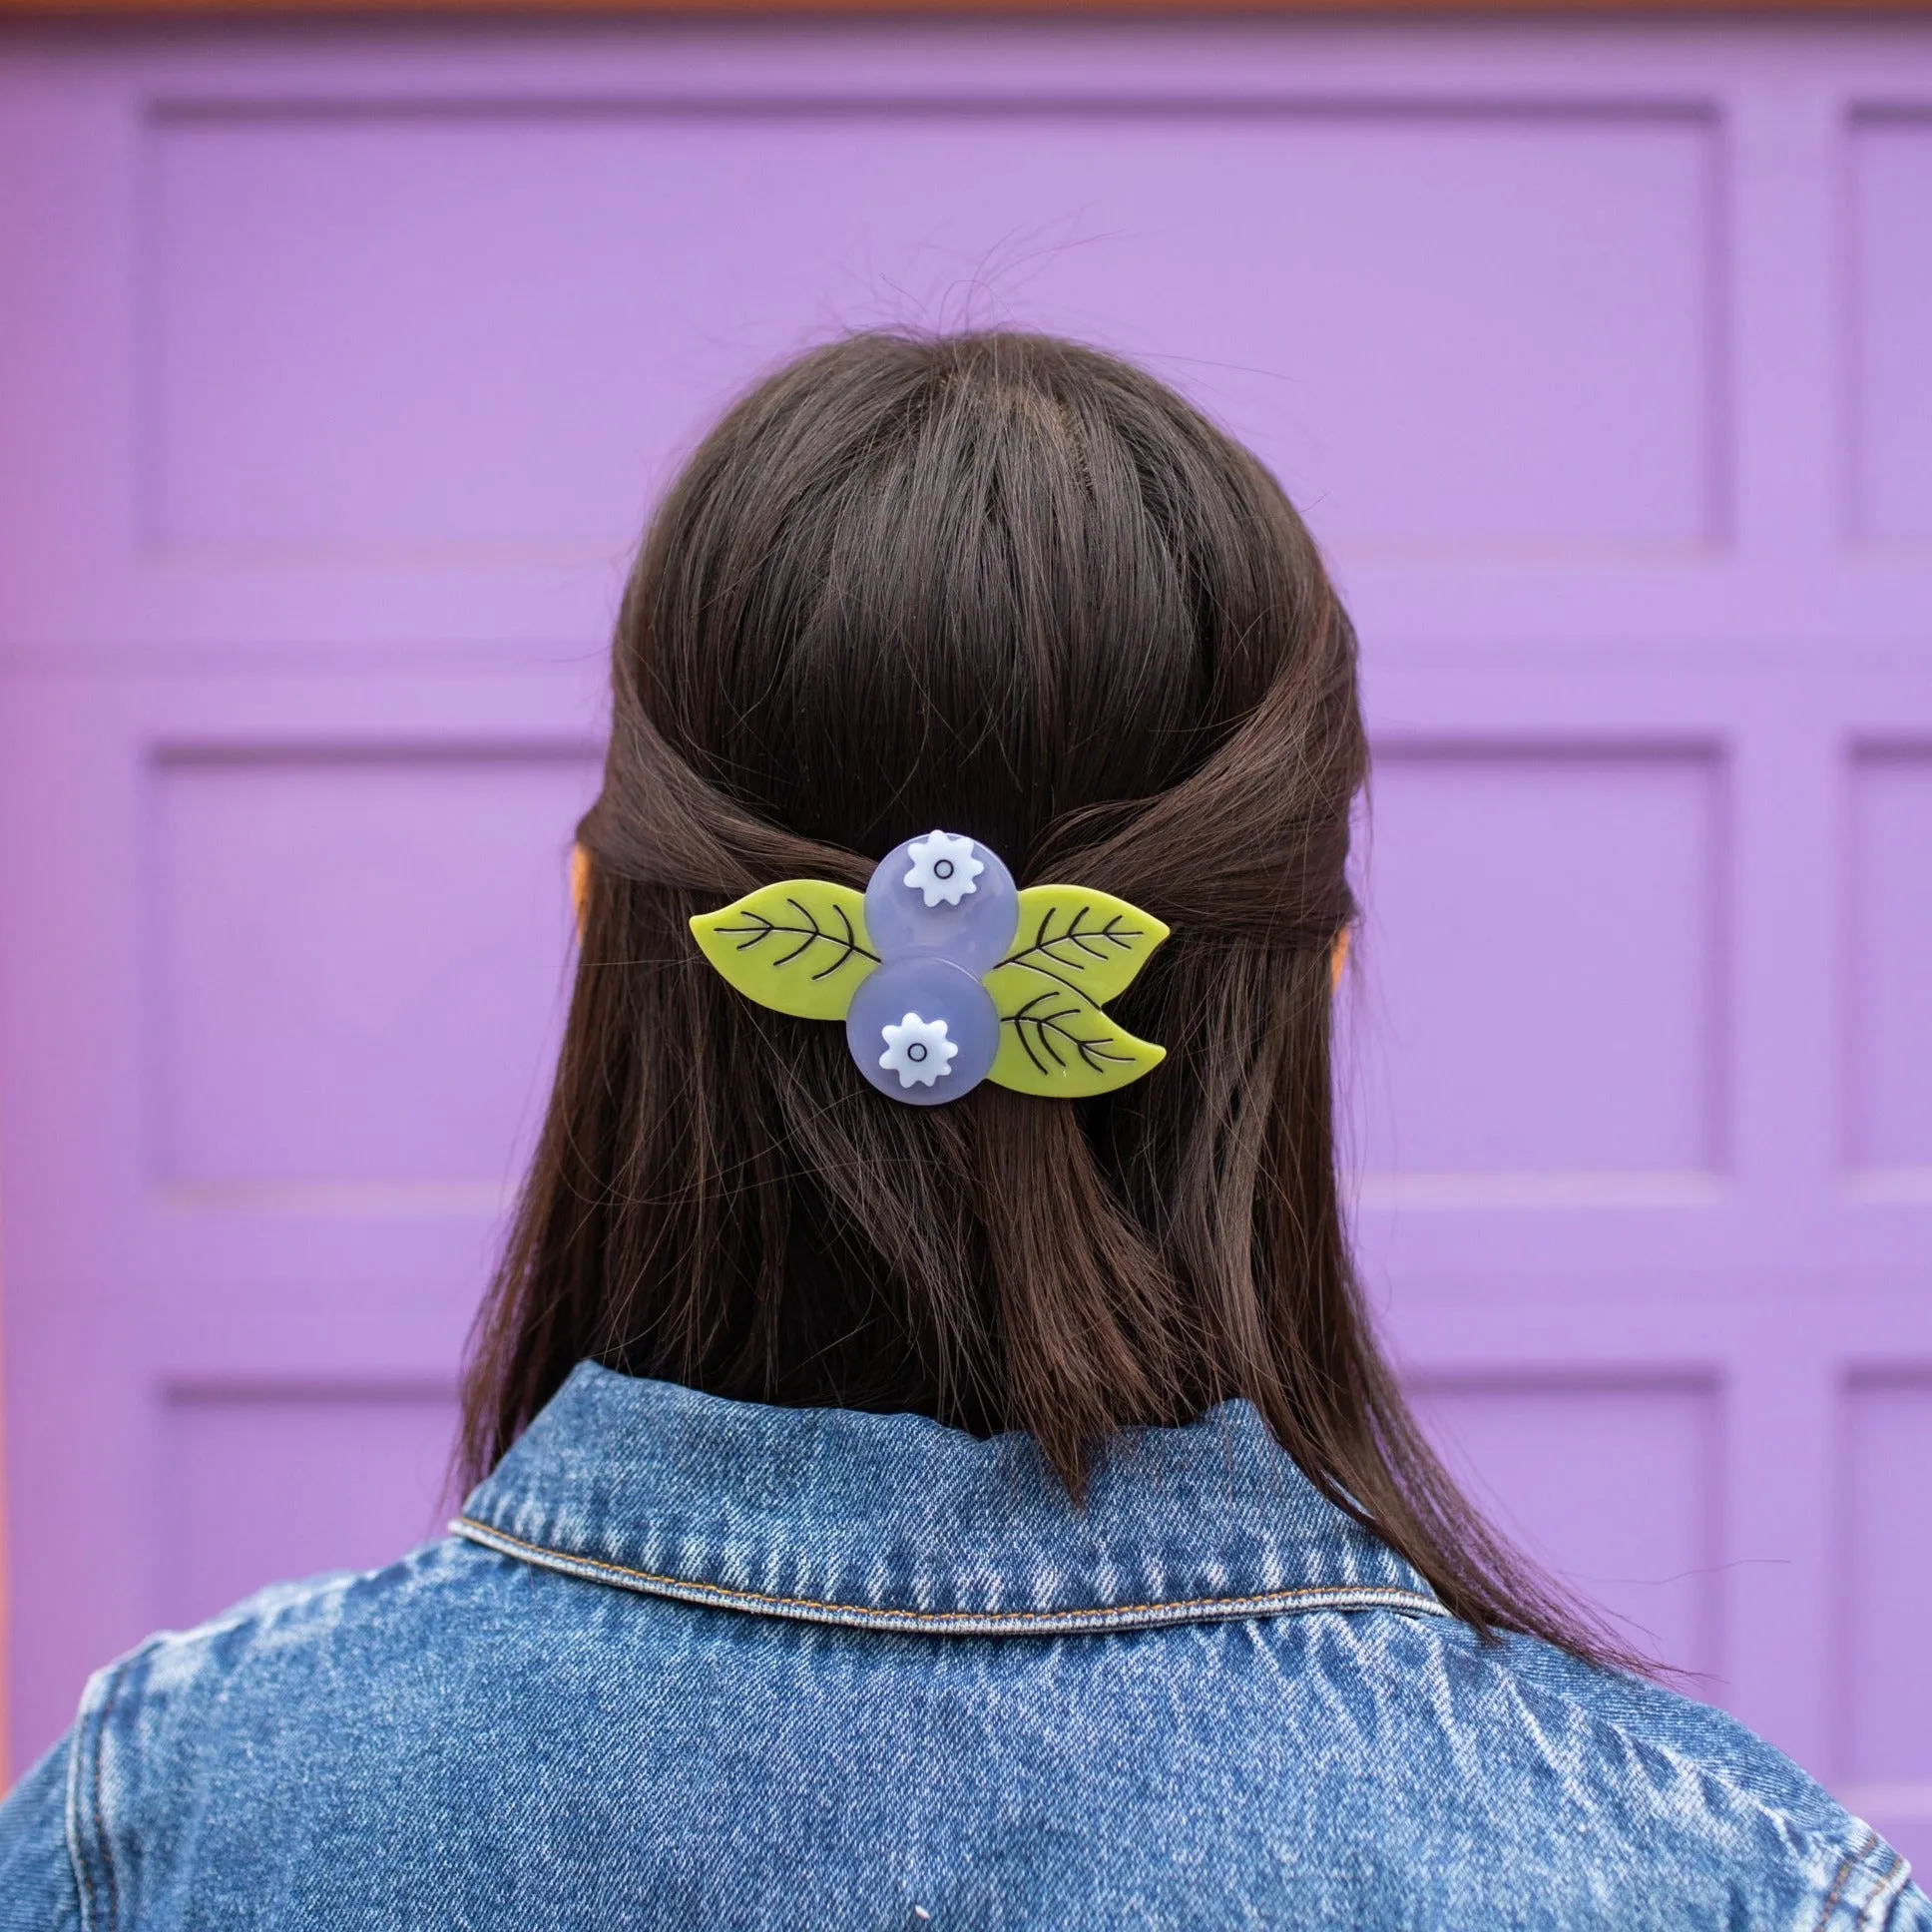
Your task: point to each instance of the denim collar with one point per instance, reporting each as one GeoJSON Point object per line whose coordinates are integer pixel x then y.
{"type": "Point", "coordinates": [893, 1522]}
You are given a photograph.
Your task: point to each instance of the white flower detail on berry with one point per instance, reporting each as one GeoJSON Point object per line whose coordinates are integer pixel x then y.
{"type": "Point", "coordinates": [917, 1051]}
{"type": "Point", "coordinates": [943, 867]}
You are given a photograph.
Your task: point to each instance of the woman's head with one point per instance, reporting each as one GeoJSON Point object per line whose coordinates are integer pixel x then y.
{"type": "Point", "coordinates": [1012, 586]}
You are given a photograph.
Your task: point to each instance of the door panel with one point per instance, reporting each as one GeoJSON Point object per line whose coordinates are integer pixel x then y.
{"type": "Point", "coordinates": [1545, 926]}
{"type": "Point", "coordinates": [1612, 1485]}
{"type": "Point", "coordinates": [336, 936]}
{"type": "Point", "coordinates": [1891, 1012]}
{"type": "Point", "coordinates": [1891, 303]}
{"type": "Point", "coordinates": [337, 374]}
{"type": "Point", "coordinates": [274, 1482]}
{"type": "Point", "coordinates": [332, 383]}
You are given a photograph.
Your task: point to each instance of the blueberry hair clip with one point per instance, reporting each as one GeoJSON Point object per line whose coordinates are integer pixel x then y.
{"type": "Point", "coordinates": [946, 973]}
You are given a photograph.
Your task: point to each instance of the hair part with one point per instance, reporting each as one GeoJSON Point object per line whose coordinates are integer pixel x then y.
{"type": "Point", "coordinates": [1014, 587]}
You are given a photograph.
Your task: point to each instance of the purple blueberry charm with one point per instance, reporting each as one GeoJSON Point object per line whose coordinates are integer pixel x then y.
{"type": "Point", "coordinates": [943, 893]}
{"type": "Point", "coordinates": [923, 1029]}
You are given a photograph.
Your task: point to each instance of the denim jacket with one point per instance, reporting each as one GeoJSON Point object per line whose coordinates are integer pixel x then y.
{"type": "Point", "coordinates": [690, 1664]}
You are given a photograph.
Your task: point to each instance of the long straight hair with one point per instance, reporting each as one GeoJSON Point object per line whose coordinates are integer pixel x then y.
{"type": "Point", "coordinates": [1016, 588]}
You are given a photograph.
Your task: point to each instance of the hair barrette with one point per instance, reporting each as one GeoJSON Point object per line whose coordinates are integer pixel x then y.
{"type": "Point", "coordinates": [946, 973]}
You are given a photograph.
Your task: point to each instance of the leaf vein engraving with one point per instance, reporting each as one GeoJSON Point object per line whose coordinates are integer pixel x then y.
{"type": "Point", "coordinates": [1049, 1029]}
{"type": "Point", "coordinates": [1092, 942]}
{"type": "Point", "coordinates": [758, 929]}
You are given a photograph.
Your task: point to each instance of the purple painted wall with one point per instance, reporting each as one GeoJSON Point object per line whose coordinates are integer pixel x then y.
{"type": "Point", "coordinates": [335, 374]}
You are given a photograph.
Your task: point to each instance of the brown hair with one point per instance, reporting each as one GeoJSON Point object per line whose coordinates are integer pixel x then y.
{"type": "Point", "coordinates": [1012, 586]}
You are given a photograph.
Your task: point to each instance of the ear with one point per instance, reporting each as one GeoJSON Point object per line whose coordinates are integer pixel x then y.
{"type": "Point", "coordinates": [1338, 960]}
{"type": "Point", "coordinates": [580, 885]}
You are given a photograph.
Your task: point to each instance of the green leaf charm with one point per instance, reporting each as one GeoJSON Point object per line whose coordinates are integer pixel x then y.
{"type": "Point", "coordinates": [1055, 1042]}
{"type": "Point", "coordinates": [1075, 950]}
{"type": "Point", "coordinates": [799, 947]}
{"type": "Point", "coordinates": [1089, 942]}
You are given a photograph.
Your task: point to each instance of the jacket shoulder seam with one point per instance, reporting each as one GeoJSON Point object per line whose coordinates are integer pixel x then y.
{"type": "Point", "coordinates": [1887, 1874]}
{"type": "Point", "coordinates": [90, 1840]}
{"type": "Point", "coordinates": [1846, 1866]}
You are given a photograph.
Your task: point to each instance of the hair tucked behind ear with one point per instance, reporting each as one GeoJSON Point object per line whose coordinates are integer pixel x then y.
{"type": "Point", "coordinates": [1015, 588]}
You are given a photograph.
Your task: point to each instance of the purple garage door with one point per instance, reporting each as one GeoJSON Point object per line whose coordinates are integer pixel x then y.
{"type": "Point", "coordinates": [335, 374]}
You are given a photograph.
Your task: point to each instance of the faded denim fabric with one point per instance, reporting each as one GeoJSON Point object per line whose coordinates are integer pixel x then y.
{"type": "Point", "coordinates": [692, 1664]}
